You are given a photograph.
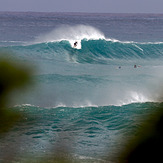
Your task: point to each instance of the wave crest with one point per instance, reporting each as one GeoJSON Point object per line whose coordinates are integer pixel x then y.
{"type": "Point", "coordinates": [72, 34]}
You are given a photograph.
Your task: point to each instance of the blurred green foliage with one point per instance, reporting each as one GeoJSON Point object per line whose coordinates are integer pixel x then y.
{"type": "Point", "coordinates": [12, 77]}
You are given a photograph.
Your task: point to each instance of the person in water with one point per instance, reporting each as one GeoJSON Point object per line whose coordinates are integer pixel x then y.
{"type": "Point", "coordinates": [75, 43]}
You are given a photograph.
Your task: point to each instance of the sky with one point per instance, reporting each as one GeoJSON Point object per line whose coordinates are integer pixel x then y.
{"type": "Point", "coordinates": [91, 6]}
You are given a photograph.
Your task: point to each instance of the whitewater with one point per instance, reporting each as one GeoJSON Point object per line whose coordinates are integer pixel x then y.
{"type": "Point", "coordinates": [86, 98]}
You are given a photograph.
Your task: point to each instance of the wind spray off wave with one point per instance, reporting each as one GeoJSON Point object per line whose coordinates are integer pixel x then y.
{"type": "Point", "coordinates": [72, 34]}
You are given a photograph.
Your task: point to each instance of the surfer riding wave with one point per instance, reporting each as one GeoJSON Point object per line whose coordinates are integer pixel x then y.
{"type": "Point", "coordinates": [75, 44]}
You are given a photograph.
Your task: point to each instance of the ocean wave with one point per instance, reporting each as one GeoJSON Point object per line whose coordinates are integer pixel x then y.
{"type": "Point", "coordinates": [99, 51]}
{"type": "Point", "coordinates": [62, 106]}
{"type": "Point", "coordinates": [92, 47]}
{"type": "Point", "coordinates": [78, 91]}
{"type": "Point", "coordinates": [107, 99]}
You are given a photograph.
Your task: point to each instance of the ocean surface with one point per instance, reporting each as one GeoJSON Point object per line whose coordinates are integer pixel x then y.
{"type": "Point", "coordinates": [89, 99]}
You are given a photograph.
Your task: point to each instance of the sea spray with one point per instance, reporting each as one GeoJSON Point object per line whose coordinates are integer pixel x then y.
{"type": "Point", "coordinates": [72, 34]}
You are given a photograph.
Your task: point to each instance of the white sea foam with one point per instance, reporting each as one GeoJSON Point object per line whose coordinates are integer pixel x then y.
{"type": "Point", "coordinates": [138, 47]}
{"type": "Point", "coordinates": [72, 34]}
{"type": "Point", "coordinates": [133, 42]}
{"type": "Point", "coordinates": [25, 105]}
{"type": "Point", "coordinates": [134, 97]}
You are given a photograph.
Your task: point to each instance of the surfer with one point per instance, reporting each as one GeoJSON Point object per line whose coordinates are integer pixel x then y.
{"type": "Point", "coordinates": [75, 43]}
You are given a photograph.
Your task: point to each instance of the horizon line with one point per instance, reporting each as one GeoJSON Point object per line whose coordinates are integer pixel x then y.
{"type": "Point", "coordinates": [81, 12]}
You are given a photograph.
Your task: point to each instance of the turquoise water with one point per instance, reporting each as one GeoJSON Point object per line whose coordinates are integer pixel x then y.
{"type": "Point", "coordinates": [88, 98]}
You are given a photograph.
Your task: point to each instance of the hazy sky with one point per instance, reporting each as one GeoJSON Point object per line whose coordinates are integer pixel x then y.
{"type": "Point", "coordinates": [107, 6]}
